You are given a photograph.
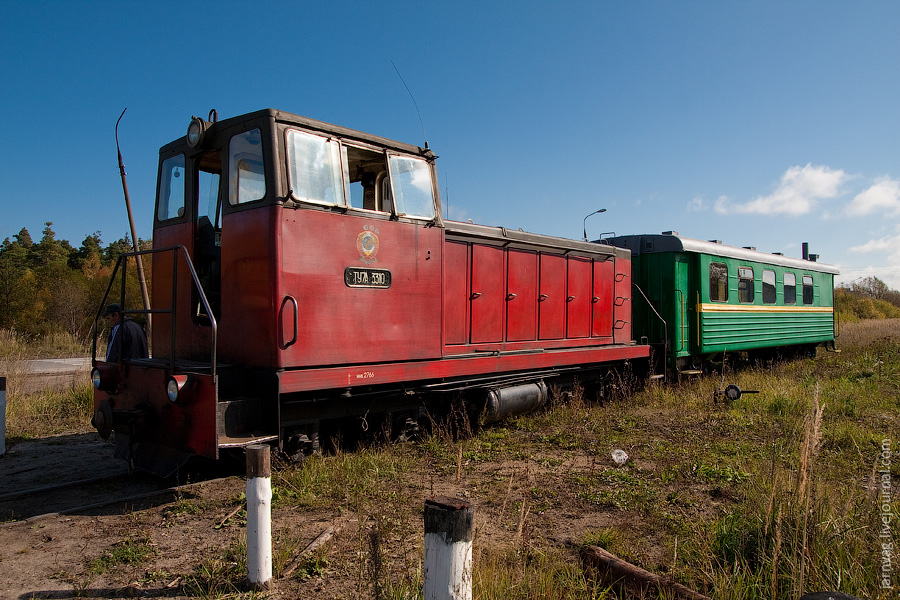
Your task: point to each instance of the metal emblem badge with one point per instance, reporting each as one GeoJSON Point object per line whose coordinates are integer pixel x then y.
{"type": "Point", "coordinates": [367, 244]}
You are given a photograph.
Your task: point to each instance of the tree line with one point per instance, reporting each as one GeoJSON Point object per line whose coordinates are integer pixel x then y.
{"type": "Point", "coordinates": [50, 286]}
{"type": "Point", "coordinates": [867, 298]}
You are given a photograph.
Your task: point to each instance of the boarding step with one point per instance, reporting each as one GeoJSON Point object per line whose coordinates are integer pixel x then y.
{"type": "Point", "coordinates": [240, 422]}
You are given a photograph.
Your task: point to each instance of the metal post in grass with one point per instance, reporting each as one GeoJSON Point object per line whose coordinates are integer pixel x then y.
{"type": "Point", "coordinates": [259, 517]}
{"type": "Point", "coordinates": [2, 415]}
{"type": "Point", "coordinates": [448, 549]}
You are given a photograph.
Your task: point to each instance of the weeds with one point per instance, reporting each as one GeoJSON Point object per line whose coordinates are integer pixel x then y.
{"type": "Point", "coordinates": [339, 478]}
{"type": "Point", "coordinates": [48, 412]}
{"type": "Point", "coordinates": [132, 552]}
{"type": "Point", "coordinates": [514, 572]}
{"type": "Point", "coordinates": [314, 565]}
{"type": "Point", "coordinates": [219, 576]}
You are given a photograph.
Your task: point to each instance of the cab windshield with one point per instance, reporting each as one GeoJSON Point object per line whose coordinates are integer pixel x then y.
{"type": "Point", "coordinates": [327, 171]}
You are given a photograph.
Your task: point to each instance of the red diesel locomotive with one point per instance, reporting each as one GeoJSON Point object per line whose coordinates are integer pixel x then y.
{"type": "Point", "coordinates": [302, 274]}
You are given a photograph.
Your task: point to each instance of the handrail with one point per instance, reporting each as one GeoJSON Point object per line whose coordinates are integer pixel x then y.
{"type": "Point", "coordinates": [683, 312]}
{"type": "Point", "coordinates": [122, 261]}
{"type": "Point", "coordinates": [293, 301]}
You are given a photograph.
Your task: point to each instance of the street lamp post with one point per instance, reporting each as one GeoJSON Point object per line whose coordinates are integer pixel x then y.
{"type": "Point", "coordinates": [584, 222]}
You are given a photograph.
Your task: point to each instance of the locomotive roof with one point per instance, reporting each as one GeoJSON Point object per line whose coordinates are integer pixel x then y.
{"type": "Point", "coordinates": [666, 242]}
{"type": "Point", "coordinates": [517, 238]}
{"type": "Point", "coordinates": [312, 124]}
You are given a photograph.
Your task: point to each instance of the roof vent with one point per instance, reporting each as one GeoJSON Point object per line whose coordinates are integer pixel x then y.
{"type": "Point", "coordinates": [749, 247]}
{"type": "Point", "coordinates": [670, 233]}
{"type": "Point", "coordinates": [778, 253]}
{"type": "Point", "coordinates": [813, 257]}
{"type": "Point", "coordinates": [716, 241]}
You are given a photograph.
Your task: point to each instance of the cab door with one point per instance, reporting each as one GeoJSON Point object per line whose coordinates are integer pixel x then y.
{"type": "Point", "coordinates": [207, 247]}
{"type": "Point", "coordinates": [682, 329]}
{"type": "Point", "coordinates": [188, 216]}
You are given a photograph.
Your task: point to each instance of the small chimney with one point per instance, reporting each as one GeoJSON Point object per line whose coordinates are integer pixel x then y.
{"type": "Point", "coordinates": [805, 250]}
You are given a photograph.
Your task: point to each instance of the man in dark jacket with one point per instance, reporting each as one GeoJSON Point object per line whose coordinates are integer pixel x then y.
{"type": "Point", "coordinates": [127, 339]}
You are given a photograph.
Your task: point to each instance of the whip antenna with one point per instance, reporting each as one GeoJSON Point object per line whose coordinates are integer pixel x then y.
{"type": "Point", "coordinates": [134, 239]}
{"type": "Point", "coordinates": [421, 123]}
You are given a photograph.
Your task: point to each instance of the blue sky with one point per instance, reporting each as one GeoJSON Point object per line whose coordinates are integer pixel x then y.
{"type": "Point", "coordinates": [756, 123]}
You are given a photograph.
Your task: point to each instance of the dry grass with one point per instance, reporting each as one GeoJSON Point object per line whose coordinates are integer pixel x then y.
{"type": "Point", "coordinates": [47, 412]}
{"type": "Point", "coordinates": [856, 336]}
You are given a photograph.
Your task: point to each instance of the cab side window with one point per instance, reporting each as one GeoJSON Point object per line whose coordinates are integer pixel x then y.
{"type": "Point", "coordinates": [745, 284]}
{"type": "Point", "coordinates": [807, 289]}
{"type": "Point", "coordinates": [315, 168]}
{"type": "Point", "coordinates": [718, 282]}
{"type": "Point", "coordinates": [790, 288]}
{"type": "Point", "coordinates": [170, 196]}
{"type": "Point", "coordinates": [411, 184]}
{"type": "Point", "coordinates": [768, 282]}
{"type": "Point", "coordinates": [247, 178]}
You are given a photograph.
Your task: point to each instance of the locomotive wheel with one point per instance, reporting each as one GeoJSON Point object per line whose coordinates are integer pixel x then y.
{"type": "Point", "coordinates": [300, 444]}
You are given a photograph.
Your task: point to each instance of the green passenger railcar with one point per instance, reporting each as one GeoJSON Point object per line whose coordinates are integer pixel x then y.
{"type": "Point", "coordinates": [697, 300]}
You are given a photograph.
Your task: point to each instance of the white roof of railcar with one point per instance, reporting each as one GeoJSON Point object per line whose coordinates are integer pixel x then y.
{"type": "Point", "coordinates": [672, 242]}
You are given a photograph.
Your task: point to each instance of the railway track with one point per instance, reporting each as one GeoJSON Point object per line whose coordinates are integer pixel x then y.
{"type": "Point", "coordinates": [76, 496]}
{"type": "Point", "coordinates": [99, 495]}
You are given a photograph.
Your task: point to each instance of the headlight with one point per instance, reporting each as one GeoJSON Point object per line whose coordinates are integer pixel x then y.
{"type": "Point", "coordinates": [174, 385]}
{"type": "Point", "coordinates": [105, 377]}
{"type": "Point", "coordinates": [196, 131]}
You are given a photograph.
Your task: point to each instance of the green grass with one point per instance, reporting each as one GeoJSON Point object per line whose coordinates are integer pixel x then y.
{"type": "Point", "coordinates": [220, 576]}
{"type": "Point", "coordinates": [340, 478]}
{"type": "Point", "coordinates": [132, 552]}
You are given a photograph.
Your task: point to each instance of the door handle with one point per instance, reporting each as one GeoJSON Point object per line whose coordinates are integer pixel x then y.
{"type": "Point", "coordinates": [293, 301]}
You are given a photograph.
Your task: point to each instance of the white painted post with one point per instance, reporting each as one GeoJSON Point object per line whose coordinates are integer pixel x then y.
{"type": "Point", "coordinates": [448, 549]}
{"type": "Point", "coordinates": [259, 517]}
{"type": "Point", "coordinates": [2, 415]}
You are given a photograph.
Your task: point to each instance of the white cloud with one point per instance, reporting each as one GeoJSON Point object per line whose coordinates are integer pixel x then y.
{"type": "Point", "coordinates": [696, 204]}
{"type": "Point", "coordinates": [887, 249]}
{"type": "Point", "coordinates": [723, 205]}
{"type": "Point", "coordinates": [797, 193]}
{"type": "Point", "coordinates": [884, 244]}
{"type": "Point", "coordinates": [883, 196]}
